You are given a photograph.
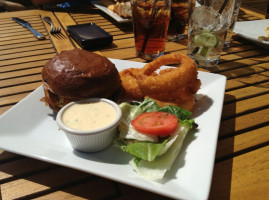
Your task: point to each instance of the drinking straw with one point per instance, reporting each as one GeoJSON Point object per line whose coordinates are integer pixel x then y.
{"type": "Point", "coordinates": [223, 6]}
{"type": "Point", "coordinates": [152, 19]}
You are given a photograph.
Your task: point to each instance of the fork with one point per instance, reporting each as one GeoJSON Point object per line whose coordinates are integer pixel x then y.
{"type": "Point", "coordinates": [53, 29]}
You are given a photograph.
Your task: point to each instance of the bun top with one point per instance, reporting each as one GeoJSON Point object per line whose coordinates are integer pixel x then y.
{"type": "Point", "coordinates": [81, 74]}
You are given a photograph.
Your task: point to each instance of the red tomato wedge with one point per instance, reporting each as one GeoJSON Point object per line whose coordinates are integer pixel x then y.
{"type": "Point", "coordinates": [157, 123]}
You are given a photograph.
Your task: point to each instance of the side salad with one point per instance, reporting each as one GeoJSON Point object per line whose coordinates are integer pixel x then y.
{"type": "Point", "coordinates": [153, 135]}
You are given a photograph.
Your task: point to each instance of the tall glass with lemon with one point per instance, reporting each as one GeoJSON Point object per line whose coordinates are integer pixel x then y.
{"type": "Point", "coordinates": [208, 26]}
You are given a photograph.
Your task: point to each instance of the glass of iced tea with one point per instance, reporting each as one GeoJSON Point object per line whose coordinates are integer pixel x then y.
{"type": "Point", "coordinates": [180, 10]}
{"type": "Point", "coordinates": [150, 24]}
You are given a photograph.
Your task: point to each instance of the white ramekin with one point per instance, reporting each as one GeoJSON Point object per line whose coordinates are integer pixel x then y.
{"type": "Point", "coordinates": [90, 141]}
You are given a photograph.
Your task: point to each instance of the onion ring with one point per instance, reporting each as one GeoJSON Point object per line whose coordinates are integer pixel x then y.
{"type": "Point", "coordinates": [130, 85]}
{"type": "Point", "coordinates": [172, 86]}
{"type": "Point", "coordinates": [171, 81]}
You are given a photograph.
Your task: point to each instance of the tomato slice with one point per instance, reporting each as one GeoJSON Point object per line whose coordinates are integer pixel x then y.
{"type": "Point", "coordinates": [157, 123]}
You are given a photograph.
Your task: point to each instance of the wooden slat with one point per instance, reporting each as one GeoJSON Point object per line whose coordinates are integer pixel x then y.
{"type": "Point", "coordinates": [26, 54]}
{"type": "Point", "coordinates": [237, 108]}
{"type": "Point", "coordinates": [28, 38]}
{"type": "Point", "coordinates": [19, 167]}
{"type": "Point", "coordinates": [17, 89]}
{"type": "Point", "coordinates": [28, 59]}
{"type": "Point", "coordinates": [251, 79]}
{"type": "Point", "coordinates": [246, 92]}
{"type": "Point", "coordinates": [246, 71]}
{"type": "Point", "coordinates": [22, 66]}
{"type": "Point", "coordinates": [95, 188]}
{"type": "Point", "coordinates": [243, 177]}
{"type": "Point", "coordinates": [248, 141]}
{"type": "Point", "coordinates": [27, 48]}
{"type": "Point", "coordinates": [231, 127]}
{"type": "Point", "coordinates": [256, 8]}
{"type": "Point", "coordinates": [20, 73]}
{"type": "Point", "coordinates": [19, 44]}
{"type": "Point", "coordinates": [130, 193]}
{"type": "Point", "coordinates": [230, 62]}
{"type": "Point", "coordinates": [5, 108]}
{"type": "Point", "coordinates": [4, 155]}
{"type": "Point", "coordinates": [41, 182]}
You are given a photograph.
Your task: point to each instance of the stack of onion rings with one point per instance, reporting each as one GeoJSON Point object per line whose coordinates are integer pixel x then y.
{"type": "Point", "coordinates": [172, 86]}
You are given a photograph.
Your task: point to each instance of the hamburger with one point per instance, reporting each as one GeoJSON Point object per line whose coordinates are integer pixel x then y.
{"type": "Point", "coordinates": [79, 74]}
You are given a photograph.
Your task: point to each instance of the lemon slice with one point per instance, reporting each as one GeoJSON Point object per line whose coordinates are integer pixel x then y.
{"type": "Point", "coordinates": [206, 39]}
{"type": "Point", "coordinates": [205, 51]}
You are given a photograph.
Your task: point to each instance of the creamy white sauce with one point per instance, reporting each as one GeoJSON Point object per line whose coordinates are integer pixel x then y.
{"type": "Point", "coordinates": [89, 116]}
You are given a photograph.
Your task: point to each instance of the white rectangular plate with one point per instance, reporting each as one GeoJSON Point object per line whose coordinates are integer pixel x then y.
{"type": "Point", "coordinates": [112, 14]}
{"type": "Point", "coordinates": [29, 129]}
{"type": "Point", "coordinates": [251, 30]}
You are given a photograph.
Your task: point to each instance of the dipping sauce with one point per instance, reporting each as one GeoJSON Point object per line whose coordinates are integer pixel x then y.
{"type": "Point", "coordinates": [89, 115]}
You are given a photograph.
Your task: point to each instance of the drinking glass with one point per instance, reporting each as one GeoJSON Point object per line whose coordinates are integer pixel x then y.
{"type": "Point", "coordinates": [180, 10]}
{"type": "Point", "coordinates": [233, 21]}
{"type": "Point", "coordinates": [208, 26]}
{"type": "Point", "coordinates": [267, 11]}
{"type": "Point", "coordinates": [150, 24]}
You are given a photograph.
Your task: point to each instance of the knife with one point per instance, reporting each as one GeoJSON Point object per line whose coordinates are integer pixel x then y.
{"type": "Point", "coordinates": [27, 25]}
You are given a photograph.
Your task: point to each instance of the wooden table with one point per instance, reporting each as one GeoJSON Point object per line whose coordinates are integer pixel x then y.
{"type": "Point", "coordinates": [241, 168]}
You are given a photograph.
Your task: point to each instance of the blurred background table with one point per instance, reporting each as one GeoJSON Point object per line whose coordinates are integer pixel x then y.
{"type": "Point", "coordinates": [241, 168]}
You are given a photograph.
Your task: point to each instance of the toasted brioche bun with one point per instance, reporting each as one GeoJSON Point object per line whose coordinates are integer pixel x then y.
{"type": "Point", "coordinates": [79, 74]}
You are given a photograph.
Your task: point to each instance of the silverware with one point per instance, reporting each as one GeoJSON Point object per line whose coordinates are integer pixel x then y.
{"type": "Point", "coordinates": [27, 25]}
{"type": "Point", "coordinates": [53, 29]}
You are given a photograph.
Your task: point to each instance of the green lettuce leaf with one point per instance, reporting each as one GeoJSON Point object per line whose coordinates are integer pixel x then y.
{"type": "Point", "coordinates": [155, 170]}
{"type": "Point", "coordinates": [148, 150]}
{"type": "Point", "coordinates": [145, 150]}
{"type": "Point", "coordinates": [149, 105]}
{"type": "Point", "coordinates": [129, 112]}
{"type": "Point", "coordinates": [152, 158]}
